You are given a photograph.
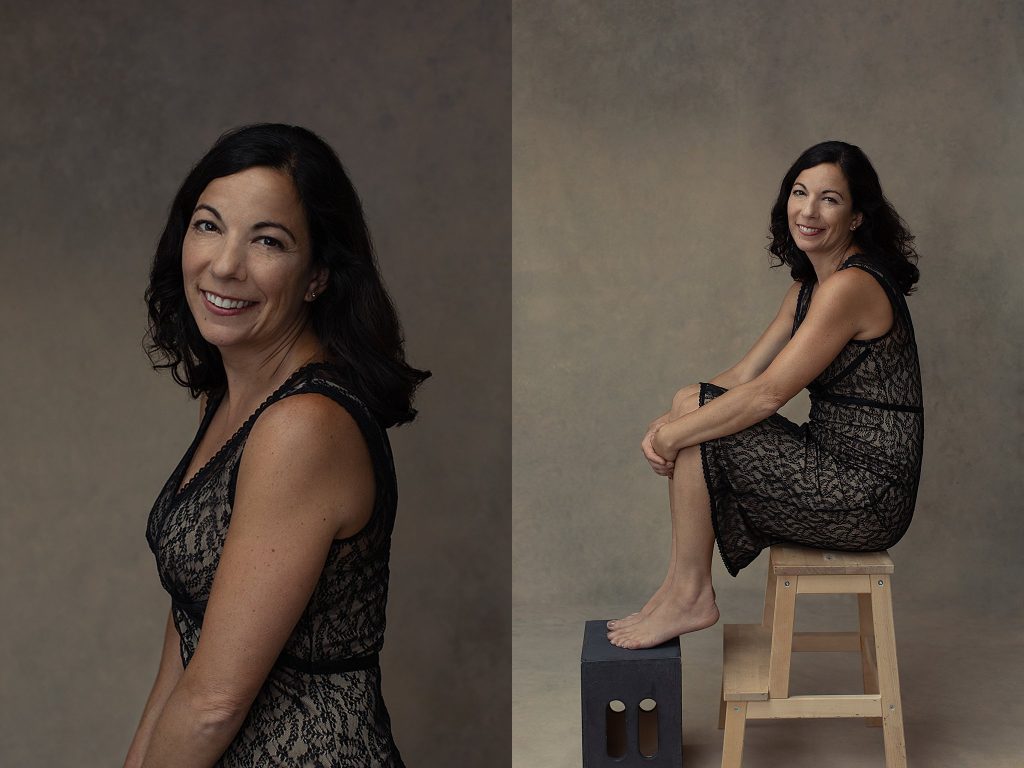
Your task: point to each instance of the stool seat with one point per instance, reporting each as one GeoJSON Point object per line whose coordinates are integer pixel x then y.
{"type": "Point", "coordinates": [791, 559]}
{"type": "Point", "coordinates": [756, 657]}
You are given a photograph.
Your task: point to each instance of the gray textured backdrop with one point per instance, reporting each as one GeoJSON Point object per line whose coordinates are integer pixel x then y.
{"type": "Point", "coordinates": [649, 143]}
{"type": "Point", "coordinates": [649, 140]}
{"type": "Point", "coordinates": [105, 107]}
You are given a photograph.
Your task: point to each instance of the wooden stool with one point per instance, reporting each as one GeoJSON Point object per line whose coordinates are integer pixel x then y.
{"type": "Point", "coordinates": [755, 671]}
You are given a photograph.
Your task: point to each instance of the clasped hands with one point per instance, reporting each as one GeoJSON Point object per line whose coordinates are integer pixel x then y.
{"type": "Point", "coordinates": [659, 454]}
{"type": "Point", "coordinates": [661, 443]}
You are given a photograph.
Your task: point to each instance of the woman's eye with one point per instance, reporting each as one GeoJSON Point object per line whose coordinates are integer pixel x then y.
{"type": "Point", "coordinates": [268, 241]}
{"type": "Point", "coordinates": [831, 200]}
{"type": "Point", "coordinates": [204, 226]}
{"type": "Point", "coordinates": [797, 192]}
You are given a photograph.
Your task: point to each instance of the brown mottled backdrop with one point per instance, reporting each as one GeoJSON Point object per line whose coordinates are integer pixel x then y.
{"type": "Point", "coordinates": [103, 108]}
{"type": "Point", "coordinates": [649, 140]}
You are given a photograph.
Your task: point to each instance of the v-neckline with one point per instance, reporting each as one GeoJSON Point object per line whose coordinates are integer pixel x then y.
{"type": "Point", "coordinates": [211, 410]}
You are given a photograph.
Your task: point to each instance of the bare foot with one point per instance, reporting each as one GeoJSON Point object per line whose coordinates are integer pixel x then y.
{"type": "Point", "coordinates": [656, 599]}
{"type": "Point", "coordinates": [673, 617]}
{"type": "Point", "coordinates": [647, 610]}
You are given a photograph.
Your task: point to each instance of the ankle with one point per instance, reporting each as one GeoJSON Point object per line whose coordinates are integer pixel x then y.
{"type": "Point", "coordinates": [694, 589]}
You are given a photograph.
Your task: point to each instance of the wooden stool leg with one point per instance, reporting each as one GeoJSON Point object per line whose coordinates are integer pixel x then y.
{"type": "Point", "coordinates": [732, 742]}
{"type": "Point", "coordinates": [888, 674]}
{"type": "Point", "coordinates": [868, 667]}
{"type": "Point", "coordinates": [769, 594]}
{"type": "Point", "coordinates": [721, 706]}
{"type": "Point", "coordinates": [782, 636]}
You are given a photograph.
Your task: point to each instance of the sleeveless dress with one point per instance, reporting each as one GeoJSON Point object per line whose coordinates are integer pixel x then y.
{"type": "Point", "coordinates": [321, 704]}
{"type": "Point", "coordinates": [845, 480]}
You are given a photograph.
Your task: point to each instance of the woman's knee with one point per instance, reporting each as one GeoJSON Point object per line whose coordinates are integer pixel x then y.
{"type": "Point", "coordinates": [685, 401]}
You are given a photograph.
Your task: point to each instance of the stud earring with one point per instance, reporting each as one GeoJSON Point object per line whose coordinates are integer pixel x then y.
{"type": "Point", "coordinates": [313, 296]}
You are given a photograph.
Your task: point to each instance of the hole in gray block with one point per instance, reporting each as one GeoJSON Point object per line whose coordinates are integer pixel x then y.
{"type": "Point", "coordinates": [647, 728]}
{"type": "Point", "coordinates": [615, 728]}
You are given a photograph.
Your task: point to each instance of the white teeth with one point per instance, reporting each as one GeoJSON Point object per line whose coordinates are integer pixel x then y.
{"type": "Point", "coordinates": [807, 230]}
{"type": "Point", "coordinates": [219, 301]}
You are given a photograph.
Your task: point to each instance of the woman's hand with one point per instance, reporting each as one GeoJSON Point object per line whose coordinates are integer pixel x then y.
{"type": "Point", "coordinates": [662, 460]}
{"type": "Point", "coordinates": [662, 445]}
{"type": "Point", "coordinates": [657, 462]}
{"type": "Point", "coordinates": [661, 421]}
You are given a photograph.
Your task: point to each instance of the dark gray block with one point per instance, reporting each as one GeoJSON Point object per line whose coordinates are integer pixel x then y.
{"type": "Point", "coordinates": [609, 673]}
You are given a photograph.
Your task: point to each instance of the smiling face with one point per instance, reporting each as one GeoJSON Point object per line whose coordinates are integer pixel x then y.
{"type": "Point", "coordinates": [820, 210]}
{"type": "Point", "coordinates": [247, 264]}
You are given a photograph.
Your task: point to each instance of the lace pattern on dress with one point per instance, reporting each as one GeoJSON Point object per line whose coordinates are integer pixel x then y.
{"type": "Point", "coordinates": [321, 705]}
{"type": "Point", "coordinates": [847, 479]}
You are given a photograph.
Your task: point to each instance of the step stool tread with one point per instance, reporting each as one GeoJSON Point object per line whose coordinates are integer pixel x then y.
{"type": "Point", "coordinates": [747, 648]}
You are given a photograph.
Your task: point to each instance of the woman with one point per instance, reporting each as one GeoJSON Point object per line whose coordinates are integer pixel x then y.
{"type": "Point", "coordinates": [272, 534]}
{"type": "Point", "coordinates": [740, 473]}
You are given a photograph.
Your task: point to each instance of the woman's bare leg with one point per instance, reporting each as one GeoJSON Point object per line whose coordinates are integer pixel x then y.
{"type": "Point", "coordinates": [687, 604]}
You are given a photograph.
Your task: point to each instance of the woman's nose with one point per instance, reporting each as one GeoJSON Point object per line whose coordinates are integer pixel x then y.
{"type": "Point", "coordinates": [810, 208]}
{"type": "Point", "coordinates": [228, 262]}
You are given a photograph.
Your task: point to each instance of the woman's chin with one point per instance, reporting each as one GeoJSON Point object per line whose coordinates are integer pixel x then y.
{"type": "Point", "coordinates": [220, 340]}
{"type": "Point", "coordinates": [811, 248]}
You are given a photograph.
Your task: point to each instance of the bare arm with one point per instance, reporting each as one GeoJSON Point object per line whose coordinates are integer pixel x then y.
{"type": "Point", "coordinates": [848, 304]}
{"type": "Point", "coordinates": [305, 477]}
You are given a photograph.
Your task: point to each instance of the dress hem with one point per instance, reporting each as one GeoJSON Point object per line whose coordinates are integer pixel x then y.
{"type": "Point", "coordinates": [705, 467]}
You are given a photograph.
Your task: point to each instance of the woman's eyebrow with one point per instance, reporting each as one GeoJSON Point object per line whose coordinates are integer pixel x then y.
{"type": "Point", "coordinates": [211, 209]}
{"type": "Point", "coordinates": [262, 224]}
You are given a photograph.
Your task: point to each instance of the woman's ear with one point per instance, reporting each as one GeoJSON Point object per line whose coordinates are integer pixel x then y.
{"type": "Point", "coordinates": [318, 284]}
{"type": "Point", "coordinates": [857, 219]}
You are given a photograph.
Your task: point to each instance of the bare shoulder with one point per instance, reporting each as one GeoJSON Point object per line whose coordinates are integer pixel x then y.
{"type": "Point", "coordinates": [857, 298]}
{"type": "Point", "coordinates": [851, 285]}
{"type": "Point", "coordinates": [309, 448]}
{"type": "Point", "coordinates": [307, 421]}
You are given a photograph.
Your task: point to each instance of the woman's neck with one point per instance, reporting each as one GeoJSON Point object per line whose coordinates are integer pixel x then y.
{"type": "Point", "coordinates": [253, 375]}
{"type": "Point", "coordinates": [826, 264]}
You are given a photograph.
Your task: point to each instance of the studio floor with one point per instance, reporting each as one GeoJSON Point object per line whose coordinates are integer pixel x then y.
{"type": "Point", "coordinates": [961, 678]}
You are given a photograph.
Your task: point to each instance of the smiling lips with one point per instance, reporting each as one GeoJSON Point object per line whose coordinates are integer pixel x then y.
{"type": "Point", "coordinates": [222, 305]}
{"type": "Point", "coordinates": [809, 231]}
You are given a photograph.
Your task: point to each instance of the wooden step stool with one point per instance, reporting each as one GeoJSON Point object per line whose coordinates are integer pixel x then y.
{"type": "Point", "coordinates": [755, 671]}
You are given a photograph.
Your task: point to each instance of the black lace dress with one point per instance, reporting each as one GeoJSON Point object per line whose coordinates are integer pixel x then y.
{"type": "Point", "coordinates": [321, 705]}
{"type": "Point", "coordinates": [847, 479]}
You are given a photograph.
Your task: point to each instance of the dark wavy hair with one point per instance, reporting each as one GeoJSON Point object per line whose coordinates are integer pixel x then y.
{"type": "Point", "coordinates": [882, 235]}
{"type": "Point", "coordinates": [353, 318]}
